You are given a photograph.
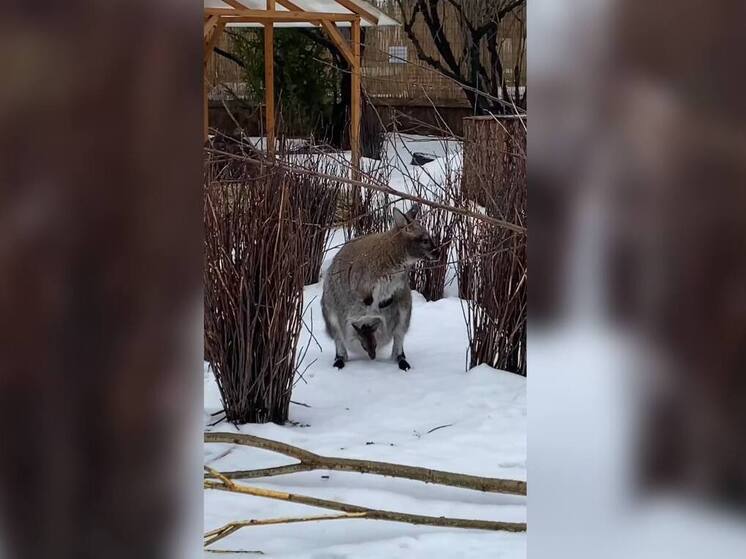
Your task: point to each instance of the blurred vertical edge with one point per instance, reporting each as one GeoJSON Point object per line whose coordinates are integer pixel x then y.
{"type": "Point", "coordinates": [637, 306]}
{"type": "Point", "coordinates": [100, 278]}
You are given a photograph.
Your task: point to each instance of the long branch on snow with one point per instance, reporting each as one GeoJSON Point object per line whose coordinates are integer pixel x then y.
{"type": "Point", "coordinates": [310, 461]}
{"type": "Point", "coordinates": [225, 484]}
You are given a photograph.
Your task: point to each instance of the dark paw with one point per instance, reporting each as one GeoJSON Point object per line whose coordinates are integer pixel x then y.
{"type": "Point", "coordinates": [339, 363]}
{"type": "Point", "coordinates": [403, 364]}
{"type": "Point", "coordinates": [368, 300]}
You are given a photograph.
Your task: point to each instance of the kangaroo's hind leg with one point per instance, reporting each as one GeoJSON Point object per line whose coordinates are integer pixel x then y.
{"type": "Point", "coordinates": [401, 325]}
{"type": "Point", "coordinates": [336, 331]}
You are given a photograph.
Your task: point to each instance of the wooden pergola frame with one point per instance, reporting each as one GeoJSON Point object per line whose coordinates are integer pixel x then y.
{"type": "Point", "coordinates": [216, 20]}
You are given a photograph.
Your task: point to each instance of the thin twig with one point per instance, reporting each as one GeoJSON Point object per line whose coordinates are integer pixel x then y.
{"type": "Point", "coordinates": [237, 551]}
{"type": "Point", "coordinates": [439, 427]}
{"type": "Point", "coordinates": [299, 404]}
{"type": "Point", "coordinates": [219, 533]}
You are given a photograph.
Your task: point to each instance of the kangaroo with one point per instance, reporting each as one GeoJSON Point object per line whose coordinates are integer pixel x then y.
{"type": "Point", "coordinates": [366, 299]}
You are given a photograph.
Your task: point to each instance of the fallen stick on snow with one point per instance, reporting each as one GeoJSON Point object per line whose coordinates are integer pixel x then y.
{"type": "Point", "coordinates": [219, 533]}
{"type": "Point", "coordinates": [310, 461]}
{"type": "Point", "coordinates": [234, 551]}
{"type": "Point", "coordinates": [222, 483]}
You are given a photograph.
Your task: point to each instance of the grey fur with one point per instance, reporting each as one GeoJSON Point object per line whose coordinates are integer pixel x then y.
{"type": "Point", "coordinates": [366, 299]}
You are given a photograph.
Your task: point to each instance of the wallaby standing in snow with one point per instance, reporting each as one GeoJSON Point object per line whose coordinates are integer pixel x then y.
{"type": "Point", "coordinates": [366, 298]}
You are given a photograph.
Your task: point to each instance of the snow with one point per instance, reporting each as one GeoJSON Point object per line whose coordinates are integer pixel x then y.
{"type": "Point", "coordinates": [428, 180]}
{"type": "Point", "coordinates": [371, 410]}
{"type": "Point", "coordinates": [436, 415]}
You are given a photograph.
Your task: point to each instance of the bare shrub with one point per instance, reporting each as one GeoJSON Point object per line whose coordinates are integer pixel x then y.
{"type": "Point", "coordinates": [492, 267]}
{"type": "Point", "coordinates": [316, 198]}
{"type": "Point", "coordinates": [315, 195]}
{"type": "Point", "coordinates": [495, 293]}
{"type": "Point", "coordinates": [494, 153]}
{"type": "Point", "coordinates": [372, 132]}
{"type": "Point", "coordinates": [364, 211]}
{"type": "Point", "coordinates": [429, 278]}
{"type": "Point", "coordinates": [253, 287]}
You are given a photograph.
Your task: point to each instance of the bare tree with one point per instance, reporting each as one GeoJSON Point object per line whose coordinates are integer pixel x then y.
{"type": "Point", "coordinates": [471, 53]}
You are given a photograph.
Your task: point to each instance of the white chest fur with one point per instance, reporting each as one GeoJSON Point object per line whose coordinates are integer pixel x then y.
{"type": "Point", "coordinates": [388, 285]}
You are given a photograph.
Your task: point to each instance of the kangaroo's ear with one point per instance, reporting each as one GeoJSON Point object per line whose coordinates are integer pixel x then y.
{"type": "Point", "coordinates": [400, 219]}
{"type": "Point", "coordinates": [413, 212]}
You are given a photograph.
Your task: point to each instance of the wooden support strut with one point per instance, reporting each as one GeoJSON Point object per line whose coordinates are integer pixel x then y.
{"type": "Point", "coordinates": [269, 81]}
{"type": "Point", "coordinates": [328, 26]}
{"type": "Point", "coordinates": [277, 16]}
{"type": "Point", "coordinates": [212, 39]}
{"type": "Point", "coordinates": [210, 24]}
{"type": "Point", "coordinates": [290, 6]}
{"type": "Point", "coordinates": [236, 4]}
{"type": "Point", "coordinates": [339, 41]}
{"type": "Point", "coordinates": [358, 10]}
{"type": "Point", "coordinates": [355, 110]}
{"type": "Point", "coordinates": [293, 7]}
{"type": "Point", "coordinates": [213, 31]}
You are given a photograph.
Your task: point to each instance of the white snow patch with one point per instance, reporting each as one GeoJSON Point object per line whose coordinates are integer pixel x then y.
{"type": "Point", "coordinates": [371, 410]}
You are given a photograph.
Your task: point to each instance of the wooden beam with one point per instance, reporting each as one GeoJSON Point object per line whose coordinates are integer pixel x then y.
{"type": "Point", "coordinates": [210, 42]}
{"type": "Point", "coordinates": [337, 38]}
{"type": "Point", "coordinates": [261, 21]}
{"type": "Point", "coordinates": [210, 24]}
{"type": "Point", "coordinates": [205, 109]}
{"type": "Point", "coordinates": [355, 100]}
{"type": "Point", "coordinates": [359, 11]}
{"type": "Point", "coordinates": [269, 81]}
{"type": "Point", "coordinates": [277, 16]}
{"type": "Point", "coordinates": [212, 39]}
{"type": "Point", "coordinates": [291, 6]}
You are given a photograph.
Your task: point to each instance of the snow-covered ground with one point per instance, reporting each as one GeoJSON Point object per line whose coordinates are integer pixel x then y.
{"type": "Point", "coordinates": [436, 415]}
{"type": "Point", "coordinates": [396, 165]}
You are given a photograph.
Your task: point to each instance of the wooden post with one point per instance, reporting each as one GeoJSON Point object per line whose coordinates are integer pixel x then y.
{"type": "Point", "coordinates": [213, 30]}
{"type": "Point", "coordinates": [356, 106]}
{"type": "Point", "coordinates": [269, 81]}
{"type": "Point", "coordinates": [205, 110]}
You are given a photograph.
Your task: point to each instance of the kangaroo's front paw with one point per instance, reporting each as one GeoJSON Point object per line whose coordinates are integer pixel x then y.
{"type": "Point", "coordinates": [403, 364]}
{"type": "Point", "coordinates": [339, 363]}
